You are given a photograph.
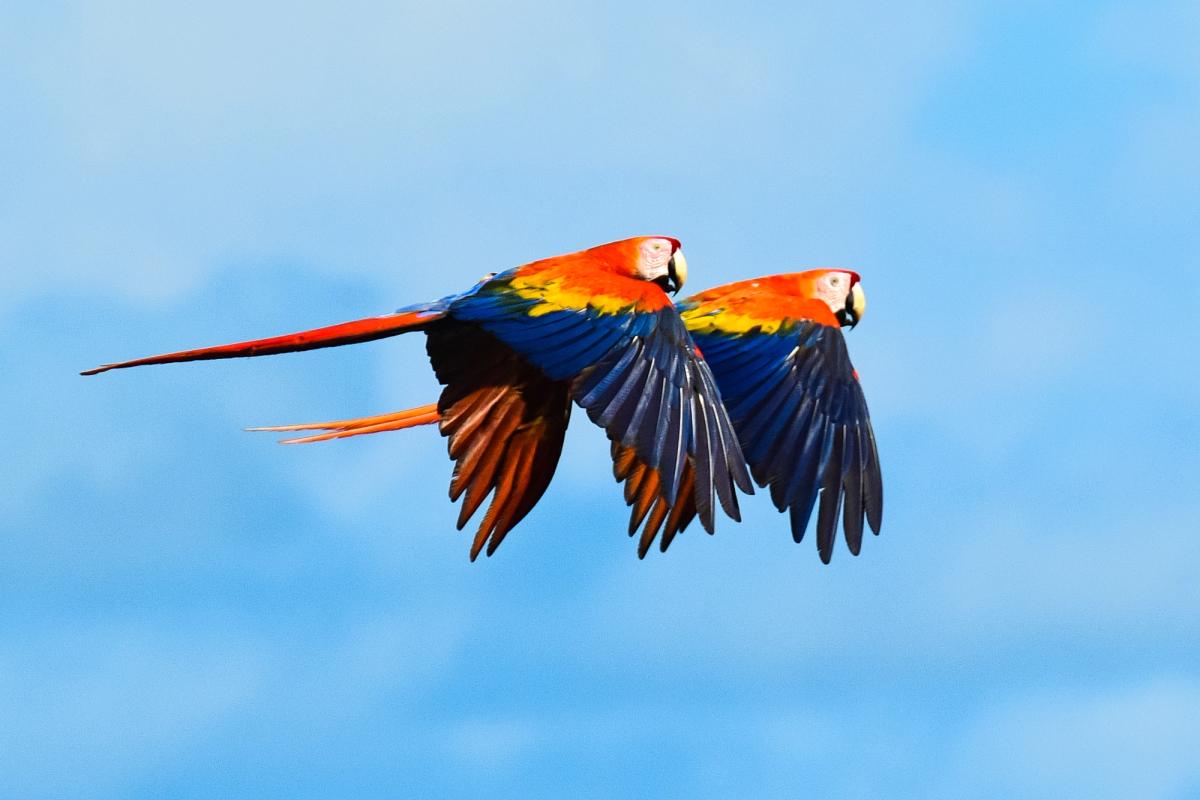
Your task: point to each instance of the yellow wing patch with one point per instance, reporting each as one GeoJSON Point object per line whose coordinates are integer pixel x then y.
{"type": "Point", "coordinates": [555, 295]}
{"type": "Point", "coordinates": [715, 319]}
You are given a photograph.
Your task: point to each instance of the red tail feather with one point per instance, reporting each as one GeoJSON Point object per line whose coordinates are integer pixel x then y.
{"type": "Point", "coordinates": [359, 330]}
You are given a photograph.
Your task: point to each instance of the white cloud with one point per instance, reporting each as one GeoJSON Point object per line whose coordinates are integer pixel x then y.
{"type": "Point", "coordinates": [490, 746]}
{"type": "Point", "coordinates": [1098, 579]}
{"type": "Point", "coordinates": [90, 710]}
{"type": "Point", "coordinates": [365, 139]}
{"type": "Point", "coordinates": [97, 710]}
{"type": "Point", "coordinates": [1135, 741]}
{"type": "Point", "coordinates": [944, 592]}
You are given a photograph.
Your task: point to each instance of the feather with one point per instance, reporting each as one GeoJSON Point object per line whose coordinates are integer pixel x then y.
{"type": "Point", "coordinates": [781, 365]}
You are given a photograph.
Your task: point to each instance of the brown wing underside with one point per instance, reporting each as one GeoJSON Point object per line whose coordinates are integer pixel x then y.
{"type": "Point", "coordinates": [505, 421]}
{"type": "Point", "coordinates": [649, 509]}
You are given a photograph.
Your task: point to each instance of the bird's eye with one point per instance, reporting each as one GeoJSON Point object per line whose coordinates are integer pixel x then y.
{"type": "Point", "coordinates": [835, 280]}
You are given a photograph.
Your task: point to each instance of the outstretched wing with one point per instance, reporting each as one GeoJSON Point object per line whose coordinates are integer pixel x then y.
{"type": "Point", "coordinates": [631, 366]}
{"type": "Point", "coordinates": [505, 421]}
{"type": "Point", "coordinates": [649, 510]}
{"type": "Point", "coordinates": [799, 410]}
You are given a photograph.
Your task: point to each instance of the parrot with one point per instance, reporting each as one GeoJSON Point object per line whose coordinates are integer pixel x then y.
{"type": "Point", "coordinates": [595, 327]}
{"type": "Point", "coordinates": [776, 348]}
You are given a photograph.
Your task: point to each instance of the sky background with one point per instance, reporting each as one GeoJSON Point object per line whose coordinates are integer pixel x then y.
{"type": "Point", "coordinates": [188, 610]}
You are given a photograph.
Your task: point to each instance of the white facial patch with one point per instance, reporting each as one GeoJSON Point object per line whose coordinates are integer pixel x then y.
{"type": "Point", "coordinates": [834, 288]}
{"type": "Point", "coordinates": [656, 258]}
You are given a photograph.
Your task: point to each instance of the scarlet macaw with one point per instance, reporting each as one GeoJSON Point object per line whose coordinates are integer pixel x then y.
{"type": "Point", "coordinates": [512, 352]}
{"type": "Point", "coordinates": [776, 348]}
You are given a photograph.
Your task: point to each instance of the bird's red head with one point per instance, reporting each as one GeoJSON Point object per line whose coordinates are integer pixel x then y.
{"type": "Point", "coordinates": [657, 259]}
{"type": "Point", "coordinates": [840, 289]}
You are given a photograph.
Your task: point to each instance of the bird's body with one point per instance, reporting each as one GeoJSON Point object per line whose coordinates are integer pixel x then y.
{"type": "Point", "coordinates": [595, 327]}
{"type": "Point", "coordinates": [776, 349]}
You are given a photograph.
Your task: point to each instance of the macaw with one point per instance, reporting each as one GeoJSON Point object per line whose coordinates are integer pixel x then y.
{"type": "Point", "coordinates": [513, 351]}
{"type": "Point", "coordinates": [776, 348]}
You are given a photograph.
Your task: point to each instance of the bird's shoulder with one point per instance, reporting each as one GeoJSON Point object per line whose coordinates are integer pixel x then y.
{"type": "Point", "coordinates": [769, 305]}
{"type": "Point", "coordinates": [580, 282]}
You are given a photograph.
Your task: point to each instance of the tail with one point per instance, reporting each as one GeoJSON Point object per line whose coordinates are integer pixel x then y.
{"type": "Point", "coordinates": [340, 429]}
{"type": "Point", "coordinates": [359, 330]}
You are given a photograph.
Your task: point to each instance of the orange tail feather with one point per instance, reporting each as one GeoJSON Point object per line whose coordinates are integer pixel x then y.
{"type": "Point", "coordinates": [340, 429]}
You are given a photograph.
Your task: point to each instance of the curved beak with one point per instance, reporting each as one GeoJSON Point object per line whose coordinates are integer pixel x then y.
{"type": "Point", "coordinates": [676, 273]}
{"type": "Point", "coordinates": [856, 307]}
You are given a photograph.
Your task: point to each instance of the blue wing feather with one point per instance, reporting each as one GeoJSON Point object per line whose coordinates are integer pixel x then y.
{"type": "Point", "coordinates": [635, 373]}
{"type": "Point", "coordinates": [799, 410]}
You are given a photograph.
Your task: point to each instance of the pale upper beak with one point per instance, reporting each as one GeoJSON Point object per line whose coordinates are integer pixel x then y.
{"type": "Point", "coordinates": [856, 307]}
{"type": "Point", "coordinates": [676, 272]}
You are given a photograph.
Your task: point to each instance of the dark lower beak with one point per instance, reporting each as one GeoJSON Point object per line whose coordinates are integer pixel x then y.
{"type": "Point", "coordinates": [848, 317]}
{"type": "Point", "coordinates": [670, 282]}
{"type": "Point", "coordinates": [856, 306]}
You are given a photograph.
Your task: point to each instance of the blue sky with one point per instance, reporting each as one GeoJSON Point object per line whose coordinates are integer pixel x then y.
{"type": "Point", "coordinates": [192, 611]}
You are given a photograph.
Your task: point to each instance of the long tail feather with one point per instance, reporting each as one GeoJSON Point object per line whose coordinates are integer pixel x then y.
{"type": "Point", "coordinates": [340, 429]}
{"type": "Point", "coordinates": [359, 330]}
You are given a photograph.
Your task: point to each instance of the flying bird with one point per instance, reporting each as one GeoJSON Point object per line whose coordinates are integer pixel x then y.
{"type": "Point", "coordinates": [595, 327]}
{"type": "Point", "coordinates": [776, 347]}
